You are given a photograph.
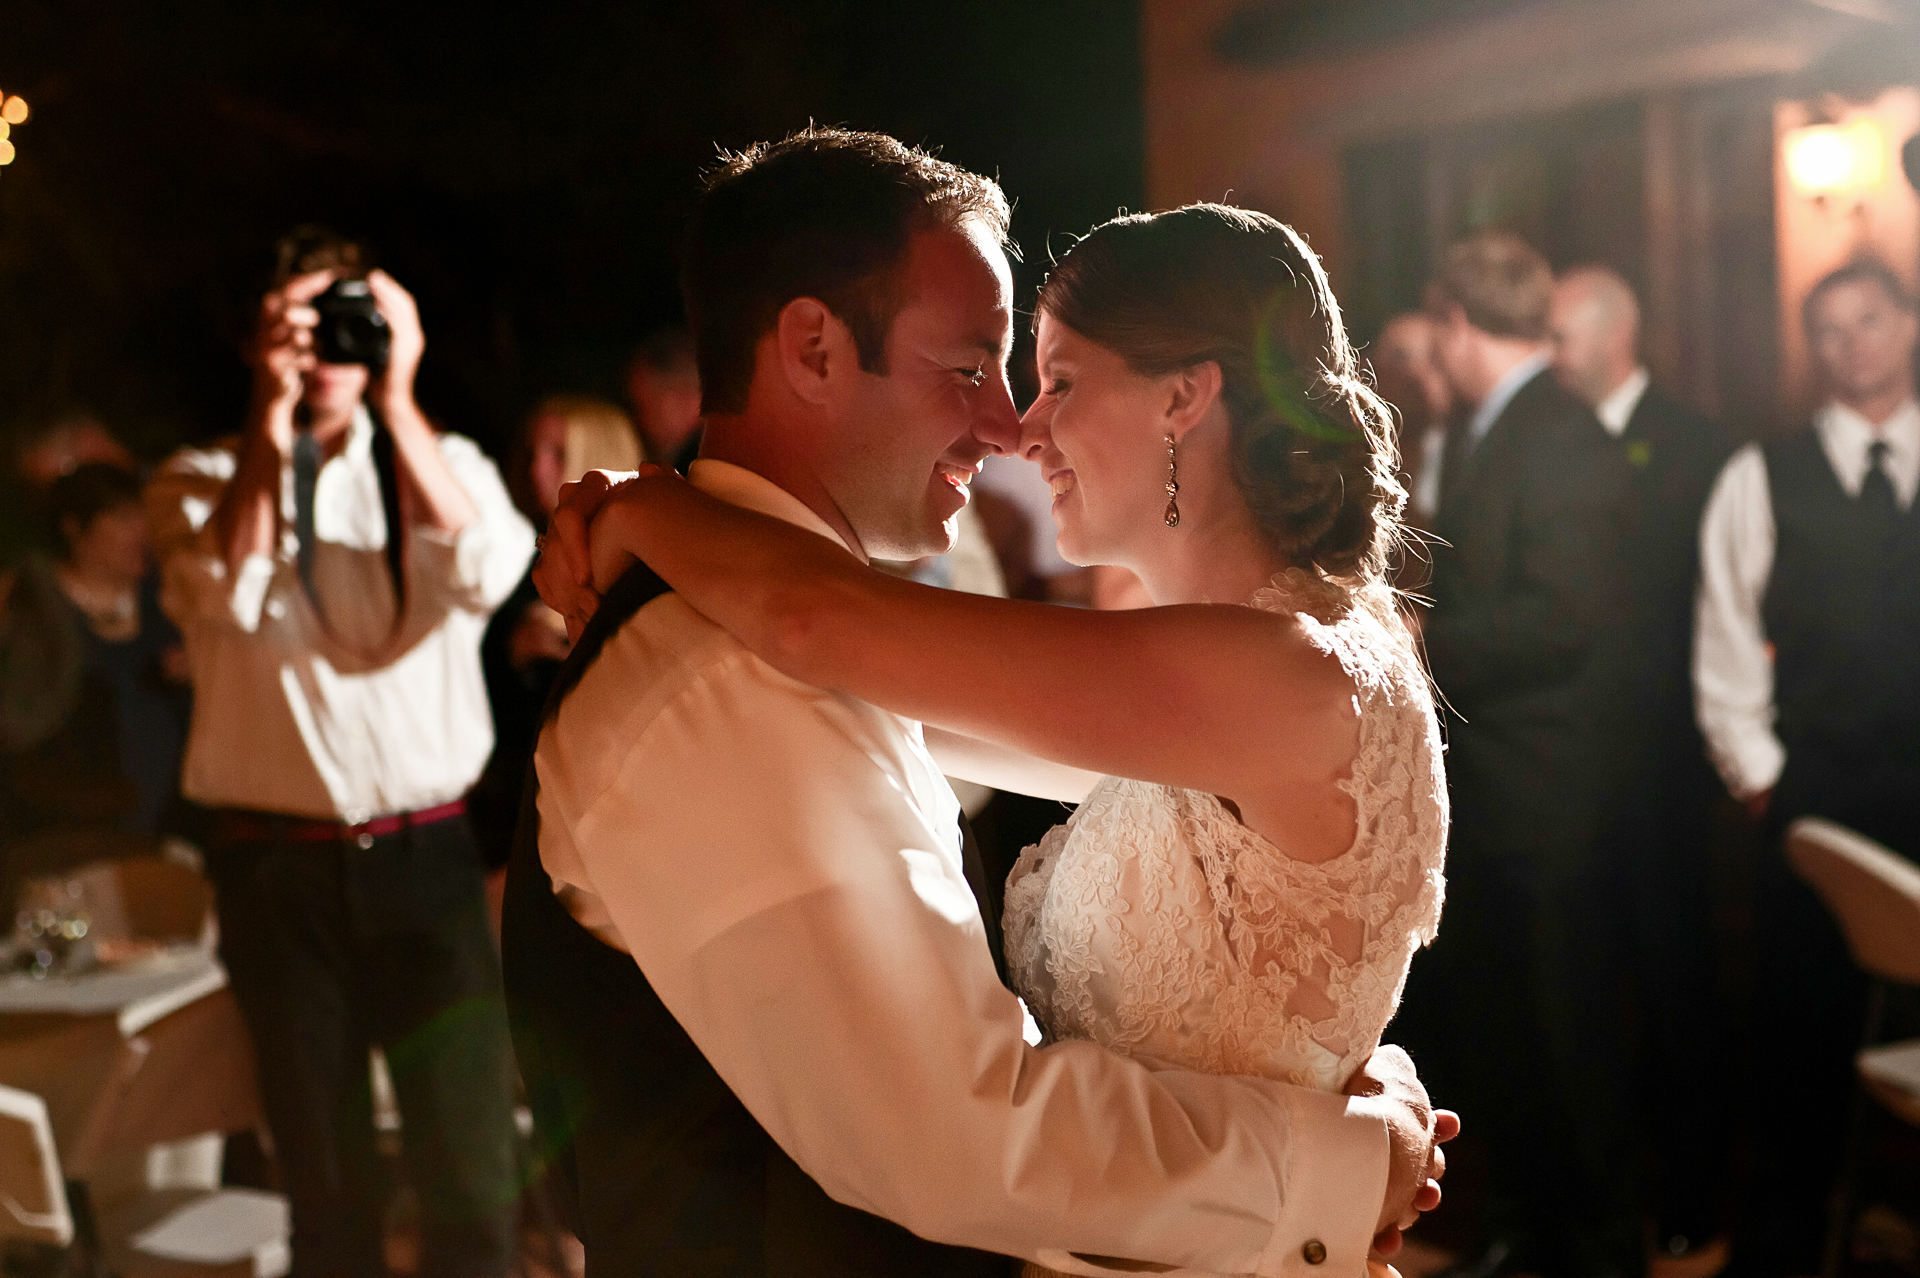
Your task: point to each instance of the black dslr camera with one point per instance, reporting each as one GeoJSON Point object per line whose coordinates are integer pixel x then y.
{"type": "Point", "coordinates": [351, 329]}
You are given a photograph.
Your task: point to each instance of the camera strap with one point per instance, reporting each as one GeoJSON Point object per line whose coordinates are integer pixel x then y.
{"type": "Point", "coordinates": [306, 474]}
{"type": "Point", "coordinates": [387, 467]}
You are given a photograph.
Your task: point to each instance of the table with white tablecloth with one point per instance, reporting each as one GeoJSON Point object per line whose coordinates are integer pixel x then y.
{"type": "Point", "coordinates": [130, 1055]}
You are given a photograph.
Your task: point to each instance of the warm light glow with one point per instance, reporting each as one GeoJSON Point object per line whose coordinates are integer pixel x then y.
{"type": "Point", "coordinates": [14, 110]}
{"type": "Point", "coordinates": [6, 151]}
{"type": "Point", "coordinates": [5, 129]}
{"type": "Point", "coordinates": [1837, 159]}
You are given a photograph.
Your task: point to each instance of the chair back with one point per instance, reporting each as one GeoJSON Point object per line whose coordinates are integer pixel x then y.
{"type": "Point", "coordinates": [1874, 894]}
{"type": "Point", "coordinates": [33, 1196]}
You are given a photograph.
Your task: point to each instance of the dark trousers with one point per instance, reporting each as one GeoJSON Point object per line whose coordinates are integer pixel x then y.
{"type": "Point", "coordinates": [333, 948]}
{"type": "Point", "coordinates": [1809, 1008]}
{"type": "Point", "coordinates": [1665, 839]}
{"type": "Point", "coordinates": [1517, 1017]}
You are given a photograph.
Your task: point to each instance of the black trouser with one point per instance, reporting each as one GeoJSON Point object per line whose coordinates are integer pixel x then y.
{"type": "Point", "coordinates": [331, 948]}
{"type": "Point", "coordinates": [1809, 1007]}
{"type": "Point", "coordinates": [1664, 840]}
{"type": "Point", "coordinates": [1516, 1016]}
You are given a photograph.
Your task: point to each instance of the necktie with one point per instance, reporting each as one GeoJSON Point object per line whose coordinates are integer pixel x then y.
{"type": "Point", "coordinates": [1877, 501]}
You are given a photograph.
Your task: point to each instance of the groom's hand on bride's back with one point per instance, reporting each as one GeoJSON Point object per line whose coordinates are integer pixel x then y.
{"type": "Point", "coordinates": [1388, 1085]}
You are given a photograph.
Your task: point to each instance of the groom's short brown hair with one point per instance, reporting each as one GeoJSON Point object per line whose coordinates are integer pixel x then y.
{"type": "Point", "coordinates": [823, 213]}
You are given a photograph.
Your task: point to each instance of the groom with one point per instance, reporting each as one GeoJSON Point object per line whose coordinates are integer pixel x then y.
{"type": "Point", "coordinates": [753, 992]}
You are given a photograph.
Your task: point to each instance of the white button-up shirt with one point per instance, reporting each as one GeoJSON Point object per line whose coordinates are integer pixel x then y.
{"type": "Point", "coordinates": [784, 865]}
{"type": "Point", "coordinates": [1732, 664]}
{"type": "Point", "coordinates": [335, 712]}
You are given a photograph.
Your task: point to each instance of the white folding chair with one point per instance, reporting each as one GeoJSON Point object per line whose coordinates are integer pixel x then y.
{"type": "Point", "coordinates": [1874, 894]}
{"type": "Point", "coordinates": [222, 1233]}
{"type": "Point", "coordinates": [33, 1197]}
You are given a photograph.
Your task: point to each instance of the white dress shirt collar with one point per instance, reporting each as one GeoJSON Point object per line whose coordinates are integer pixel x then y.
{"type": "Point", "coordinates": [1846, 437]}
{"type": "Point", "coordinates": [1616, 410]}
{"type": "Point", "coordinates": [1502, 394]}
{"type": "Point", "coordinates": [738, 486]}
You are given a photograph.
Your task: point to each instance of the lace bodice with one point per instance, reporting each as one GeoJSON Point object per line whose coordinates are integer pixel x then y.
{"type": "Point", "coordinates": [1155, 923]}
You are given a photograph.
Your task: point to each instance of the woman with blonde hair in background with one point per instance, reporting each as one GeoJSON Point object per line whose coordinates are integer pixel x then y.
{"type": "Point", "coordinates": [564, 437]}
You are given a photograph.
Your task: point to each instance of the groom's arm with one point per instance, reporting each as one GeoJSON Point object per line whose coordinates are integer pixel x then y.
{"type": "Point", "coordinates": [759, 854]}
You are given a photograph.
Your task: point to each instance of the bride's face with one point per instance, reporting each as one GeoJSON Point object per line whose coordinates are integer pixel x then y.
{"type": "Point", "coordinates": [1098, 433]}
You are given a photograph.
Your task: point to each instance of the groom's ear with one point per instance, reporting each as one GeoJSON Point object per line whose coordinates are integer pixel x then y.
{"type": "Point", "coordinates": [813, 347]}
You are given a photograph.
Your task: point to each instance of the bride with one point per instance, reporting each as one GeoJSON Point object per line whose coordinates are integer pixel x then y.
{"type": "Point", "coordinates": [1243, 892]}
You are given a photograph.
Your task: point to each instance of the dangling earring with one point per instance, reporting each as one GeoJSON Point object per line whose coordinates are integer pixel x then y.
{"type": "Point", "coordinates": [1173, 488]}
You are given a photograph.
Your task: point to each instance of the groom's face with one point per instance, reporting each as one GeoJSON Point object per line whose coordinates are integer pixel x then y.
{"type": "Point", "coordinates": [916, 434]}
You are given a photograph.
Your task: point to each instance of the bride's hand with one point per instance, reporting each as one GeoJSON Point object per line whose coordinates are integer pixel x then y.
{"type": "Point", "coordinates": [565, 571]}
{"type": "Point", "coordinates": [1388, 1084]}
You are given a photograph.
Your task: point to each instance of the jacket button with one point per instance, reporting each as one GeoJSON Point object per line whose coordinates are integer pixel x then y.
{"type": "Point", "coordinates": [1314, 1252]}
{"type": "Point", "coordinates": [366, 841]}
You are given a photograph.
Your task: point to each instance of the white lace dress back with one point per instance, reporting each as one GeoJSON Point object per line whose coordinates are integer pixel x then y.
{"type": "Point", "coordinates": [1155, 923]}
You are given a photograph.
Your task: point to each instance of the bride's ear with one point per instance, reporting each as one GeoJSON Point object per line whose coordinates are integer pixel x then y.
{"type": "Point", "coordinates": [1191, 395]}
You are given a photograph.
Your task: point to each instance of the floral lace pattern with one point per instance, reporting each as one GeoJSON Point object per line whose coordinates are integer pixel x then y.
{"type": "Point", "coordinates": [1155, 923]}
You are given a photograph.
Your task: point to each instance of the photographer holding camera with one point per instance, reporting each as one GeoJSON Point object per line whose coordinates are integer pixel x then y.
{"type": "Point", "coordinates": [332, 571]}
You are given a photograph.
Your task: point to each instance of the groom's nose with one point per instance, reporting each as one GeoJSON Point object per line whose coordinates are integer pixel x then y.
{"type": "Point", "coordinates": [996, 422]}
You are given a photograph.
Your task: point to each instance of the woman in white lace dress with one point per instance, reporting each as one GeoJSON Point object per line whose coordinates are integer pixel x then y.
{"type": "Point", "coordinates": [1244, 890]}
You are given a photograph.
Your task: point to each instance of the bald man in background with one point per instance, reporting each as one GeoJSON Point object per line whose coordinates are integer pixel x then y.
{"type": "Point", "coordinates": [1664, 822]}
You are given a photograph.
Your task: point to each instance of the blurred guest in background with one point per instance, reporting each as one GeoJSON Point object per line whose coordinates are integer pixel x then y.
{"type": "Point", "coordinates": [1663, 826]}
{"type": "Point", "coordinates": [111, 757]}
{"type": "Point", "coordinates": [1527, 588]}
{"type": "Point", "coordinates": [565, 437]}
{"type": "Point", "coordinates": [39, 666]}
{"type": "Point", "coordinates": [70, 439]}
{"type": "Point", "coordinates": [1808, 691]}
{"type": "Point", "coordinates": [332, 571]}
{"type": "Point", "coordinates": [1407, 378]}
{"type": "Point", "coordinates": [663, 389]}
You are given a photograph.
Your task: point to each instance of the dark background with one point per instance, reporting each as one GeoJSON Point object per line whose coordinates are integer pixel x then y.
{"type": "Point", "coordinates": [525, 173]}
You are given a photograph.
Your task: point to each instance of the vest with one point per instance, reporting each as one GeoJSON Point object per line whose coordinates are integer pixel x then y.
{"type": "Point", "coordinates": [1842, 611]}
{"type": "Point", "coordinates": [660, 1168]}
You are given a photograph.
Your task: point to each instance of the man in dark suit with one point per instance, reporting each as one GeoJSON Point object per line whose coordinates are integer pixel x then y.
{"type": "Point", "coordinates": [1528, 592]}
{"type": "Point", "coordinates": [1663, 827]}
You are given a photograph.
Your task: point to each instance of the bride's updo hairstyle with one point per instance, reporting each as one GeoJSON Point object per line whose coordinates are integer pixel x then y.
{"type": "Point", "coordinates": [1313, 450]}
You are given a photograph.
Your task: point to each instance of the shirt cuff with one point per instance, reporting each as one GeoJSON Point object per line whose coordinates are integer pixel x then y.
{"type": "Point", "coordinates": [1335, 1186]}
{"type": "Point", "coordinates": [456, 559]}
{"type": "Point", "coordinates": [1754, 765]}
